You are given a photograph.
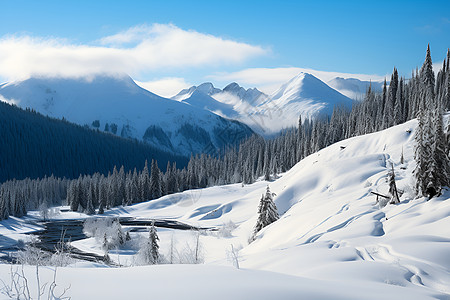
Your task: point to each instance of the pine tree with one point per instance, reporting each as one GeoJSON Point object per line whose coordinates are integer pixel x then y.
{"type": "Point", "coordinates": [149, 253]}
{"type": "Point", "coordinates": [155, 181]}
{"type": "Point", "coordinates": [432, 162]}
{"type": "Point", "coordinates": [153, 239]}
{"type": "Point", "coordinates": [144, 182]}
{"type": "Point", "coordinates": [393, 187]}
{"type": "Point", "coordinates": [439, 169]}
{"type": "Point", "coordinates": [90, 210]}
{"type": "Point", "coordinates": [102, 195]}
{"type": "Point", "coordinates": [267, 212]}
{"type": "Point", "coordinates": [398, 105]}
{"type": "Point", "coordinates": [388, 117]}
{"type": "Point", "coordinates": [72, 195]}
{"type": "Point", "coordinates": [419, 153]}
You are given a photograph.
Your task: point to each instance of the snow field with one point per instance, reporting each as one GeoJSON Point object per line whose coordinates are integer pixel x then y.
{"type": "Point", "coordinates": [332, 241]}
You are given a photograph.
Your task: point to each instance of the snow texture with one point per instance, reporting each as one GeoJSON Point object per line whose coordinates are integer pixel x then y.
{"type": "Point", "coordinates": [332, 241]}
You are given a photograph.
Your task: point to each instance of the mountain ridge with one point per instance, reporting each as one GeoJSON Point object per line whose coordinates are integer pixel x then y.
{"type": "Point", "coordinates": [118, 105]}
{"type": "Point", "coordinates": [304, 95]}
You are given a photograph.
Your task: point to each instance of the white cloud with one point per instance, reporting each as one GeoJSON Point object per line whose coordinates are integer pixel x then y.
{"type": "Point", "coordinates": [165, 87]}
{"type": "Point", "coordinates": [136, 50]}
{"type": "Point", "coordinates": [269, 80]}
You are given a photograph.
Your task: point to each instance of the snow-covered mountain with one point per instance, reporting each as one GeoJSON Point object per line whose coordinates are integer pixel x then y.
{"type": "Point", "coordinates": [231, 94]}
{"type": "Point", "coordinates": [118, 105]}
{"type": "Point", "coordinates": [231, 102]}
{"type": "Point", "coordinates": [308, 95]}
{"type": "Point", "coordinates": [303, 95]}
{"type": "Point", "coordinates": [354, 88]}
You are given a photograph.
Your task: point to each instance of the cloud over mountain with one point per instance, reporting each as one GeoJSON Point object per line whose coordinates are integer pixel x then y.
{"type": "Point", "coordinates": [139, 49]}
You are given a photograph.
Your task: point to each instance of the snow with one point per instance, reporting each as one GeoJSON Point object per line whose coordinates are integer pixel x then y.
{"type": "Point", "coordinates": [119, 100]}
{"type": "Point", "coordinates": [332, 241]}
{"type": "Point", "coordinates": [303, 95]}
{"type": "Point", "coordinates": [353, 87]}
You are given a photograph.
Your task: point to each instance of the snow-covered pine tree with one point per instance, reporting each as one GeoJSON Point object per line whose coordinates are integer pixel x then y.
{"type": "Point", "coordinates": [439, 169]}
{"type": "Point", "coordinates": [144, 183]}
{"type": "Point", "coordinates": [432, 162]}
{"type": "Point", "coordinates": [398, 105]}
{"type": "Point", "coordinates": [72, 196]}
{"type": "Point", "coordinates": [121, 197]}
{"type": "Point", "coordinates": [102, 194]}
{"type": "Point", "coordinates": [388, 116]}
{"type": "Point", "coordinates": [267, 212]}
{"type": "Point", "coordinates": [90, 210]}
{"type": "Point", "coordinates": [393, 187]}
{"type": "Point", "coordinates": [149, 252]}
{"type": "Point", "coordinates": [155, 181]}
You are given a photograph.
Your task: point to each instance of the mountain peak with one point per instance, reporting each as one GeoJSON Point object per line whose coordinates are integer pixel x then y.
{"type": "Point", "coordinates": [208, 88]}
{"type": "Point", "coordinates": [232, 86]}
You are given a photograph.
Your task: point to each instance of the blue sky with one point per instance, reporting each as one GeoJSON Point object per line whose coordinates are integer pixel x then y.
{"type": "Point", "coordinates": [272, 39]}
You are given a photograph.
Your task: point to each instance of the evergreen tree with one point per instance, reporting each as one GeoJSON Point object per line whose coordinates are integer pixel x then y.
{"type": "Point", "coordinates": [398, 105]}
{"type": "Point", "coordinates": [90, 210]}
{"type": "Point", "coordinates": [439, 168]}
{"type": "Point", "coordinates": [155, 181]}
{"type": "Point", "coordinates": [432, 162]}
{"type": "Point", "coordinates": [267, 212]}
{"type": "Point", "coordinates": [393, 187]}
{"type": "Point", "coordinates": [149, 253]}
{"type": "Point", "coordinates": [73, 196]}
{"type": "Point", "coordinates": [145, 193]}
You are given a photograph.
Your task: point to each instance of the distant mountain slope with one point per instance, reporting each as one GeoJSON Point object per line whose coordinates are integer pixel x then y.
{"type": "Point", "coordinates": [303, 95]}
{"type": "Point", "coordinates": [354, 88]}
{"type": "Point", "coordinates": [118, 105]}
{"type": "Point", "coordinates": [230, 102]}
{"type": "Point", "coordinates": [36, 146]}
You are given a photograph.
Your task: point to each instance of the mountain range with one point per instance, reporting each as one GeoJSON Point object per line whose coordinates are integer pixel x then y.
{"type": "Point", "coordinates": [304, 95]}
{"type": "Point", "coordinates": [200, 119]}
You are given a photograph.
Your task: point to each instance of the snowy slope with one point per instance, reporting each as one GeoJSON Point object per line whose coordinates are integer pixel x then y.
{"type": "Point", "coordinates": [354, 88]}
{"type": "Point", "coordinates": [331, 229]}
{"type": "Point", "coordinates": [333, 241]}
{"type": "Point", "coordinates": [167, 124]}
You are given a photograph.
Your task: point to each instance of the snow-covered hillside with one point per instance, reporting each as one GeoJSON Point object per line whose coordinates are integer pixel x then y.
{"type": "Point", "coordinates": [332, 241]}
{"type": "Point", "coordinates": [127, 109]}
{"type": "Point", "coordinates": [331, 227]}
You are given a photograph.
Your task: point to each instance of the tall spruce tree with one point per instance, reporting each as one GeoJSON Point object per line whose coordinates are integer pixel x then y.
{"type": "Point", "coordinates": [267, 212]}
{"type": "Point", "coordinates": [149, 253]}
{"type": "Point", "coordinates": [155, 181]}
{"type": "Point", "coordinates": [432, 162]}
